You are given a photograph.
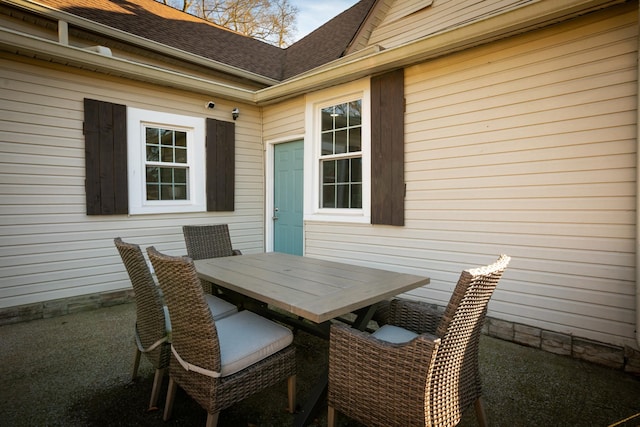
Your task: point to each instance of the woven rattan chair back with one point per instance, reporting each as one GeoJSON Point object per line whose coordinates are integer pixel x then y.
{"type": "Point", "coordinates": [195, 355]}
{"type": "Point", "coordinates": [455, 378]}
{"type": "Point", "coordinates": [151, 322]}
{"type": "Point", "coordinates": [193, 331]}
{"type": "Point", "coordinates": [207, 241]}
{"type": "Point", "coordinates": [427, 381]}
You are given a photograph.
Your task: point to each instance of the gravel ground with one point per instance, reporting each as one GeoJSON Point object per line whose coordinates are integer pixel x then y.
{"type": "Point", "coordinates": [74, 370]}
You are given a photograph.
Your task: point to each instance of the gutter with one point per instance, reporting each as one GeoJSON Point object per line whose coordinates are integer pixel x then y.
{"type": "Point", "coordinates": [48, 50]}
{"type": "Point", "coordinates": [129, 38]}
{"type": "Point", "coordinates": [362, 64]}
{"type": "Point", "coordinates": [533, 14]}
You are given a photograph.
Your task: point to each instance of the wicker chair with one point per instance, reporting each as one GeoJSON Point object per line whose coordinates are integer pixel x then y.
{"type": "Point", "coordinates": [208, 241]}
{"type": "Point", "coordinates": [152, 322]}
{"type": "Point", "coordinates": [219, 363]}
{"type": "Point", "coordinates": [420, 369]}
{"type": "Point", "coordinates": [153, 326]}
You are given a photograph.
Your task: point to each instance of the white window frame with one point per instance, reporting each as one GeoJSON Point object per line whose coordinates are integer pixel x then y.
{"type": "Point", "coordinates": [314, 104]}
{"type": "Point", "coordinates": [137, 119]}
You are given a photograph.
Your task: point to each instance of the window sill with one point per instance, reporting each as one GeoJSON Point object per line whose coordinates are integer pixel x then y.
{"type": "Point", "coordinates": [356, 218]}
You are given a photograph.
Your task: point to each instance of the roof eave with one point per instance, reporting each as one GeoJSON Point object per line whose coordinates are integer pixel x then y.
{"type": "Point", "coordinates": [357, 65]}
{"type": "Point", "coordinates": [32, 46]}
{"type": "Point", "coordinates": [142, 42]}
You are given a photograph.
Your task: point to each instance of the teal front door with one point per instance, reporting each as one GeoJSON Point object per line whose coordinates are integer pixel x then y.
{"type": "Point", "coordinates": [287, 197]}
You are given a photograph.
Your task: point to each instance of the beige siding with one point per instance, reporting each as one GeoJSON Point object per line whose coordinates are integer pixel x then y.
{"type": "Point", "coordinates": [406, 21]}
{"type": "Point", "coordinates": [49, 248]}
{"type": "Point", "coordinates": [525, 147]}
{"type": "Point", "coordinates": [284, 120]}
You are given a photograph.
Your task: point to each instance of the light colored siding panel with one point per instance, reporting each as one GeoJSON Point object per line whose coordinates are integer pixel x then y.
{"type": "Point", "coordinates": [49, 248]}
{"type": "Point", "coordinates": [284, 119]}
{"type": "Point", "coordinates": [398, 27]}
{"type": "Point", "coordinates": [527, 147]}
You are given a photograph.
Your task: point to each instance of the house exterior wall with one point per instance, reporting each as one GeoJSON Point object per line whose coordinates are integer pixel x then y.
{"type": "Point", "coordinates": [526, 146]}
{"type": "Point", "coordinates": [284, 119]}
{"type": "Point", "coordinates": [404, 21]}
{"type": "Point", "coordinates": [49, 248]}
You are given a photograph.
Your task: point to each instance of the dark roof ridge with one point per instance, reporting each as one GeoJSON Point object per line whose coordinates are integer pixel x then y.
{"type": "Point", "coordinates": [174, 28]}
{"type": "Point", "coordinates": [312, 50]}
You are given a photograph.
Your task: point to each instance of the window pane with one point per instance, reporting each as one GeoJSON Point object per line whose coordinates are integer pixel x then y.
{"type": "Point", "coordinates": [341, 142]}
{"type": "Point", "coordinates": [166, 137]}
{"type": "Point", "coordinates": [153, 175]}
{"type": "Point", "coordinates": [355, 113]}
{"type": "Point", "coordinates": [356, 196]}
{"type": "Point", "coordinates": [181, 155]}
{"type": "Point", "coordinates": [356, 170]}
{"type": "Point", "coordinates": [153, 153]}
{"type": "Point", "coordinates": [166, 154]}
{"type": "Point", "coordinates": [327, 143]}
{"type": "Point", "coordinates": [181, 139]}
{"type": "Point", "coordinates": [343, 171]}
{"type": "Point", "coordinates": [152, 192]}
{"type": "Point", "coordinates": [327, 118]}
{"type": "Point", "coordinates": [180, 192]}
{"type": "Point", "coordinates": [166, 192]}
{"type": "Point", "coordinates": [328, 196]}
{"type": "Point", "coordinates": [166, 175]}
{"type": "Point", "coordinates": [151, 136]}
{"type": "Point", "coordinates": [342, 196]}
{"type": "Point", "coordinates": [180, 176]}
{"type": "Point", "coordinates": [340, 116]}
{"type": "Point", "coordinates": [329, 172]}
{"type": "Point", "coordinates": [355, 139]}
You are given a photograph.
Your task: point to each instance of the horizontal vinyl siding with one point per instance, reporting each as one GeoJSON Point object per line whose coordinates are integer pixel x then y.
{"type": "Point", "coordinates": [49, 248]}
{"type": "Point", "coordinates": [399, 26]}
{"type": "Point", "coordinates": [525, 147]}
{"type": "Point", "coordinates": [284, 120]}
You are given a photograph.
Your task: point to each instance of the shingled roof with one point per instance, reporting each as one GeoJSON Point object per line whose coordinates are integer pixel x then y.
{"type": "Point", "coordinates": [327, 43]}
{"type": "Point", "coordinates": [166, 25]}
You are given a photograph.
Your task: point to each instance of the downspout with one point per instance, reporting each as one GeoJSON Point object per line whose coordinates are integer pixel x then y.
{"type": "Point", "coordinates": [638, 182]}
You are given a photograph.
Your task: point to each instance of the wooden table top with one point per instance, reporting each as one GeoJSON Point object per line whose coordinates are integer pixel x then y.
{"type": "Point", "coordinates": [315, 289]}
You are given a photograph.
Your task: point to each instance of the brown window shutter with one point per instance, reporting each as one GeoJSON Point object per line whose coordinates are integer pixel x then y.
{"type": "Point", "coordinates": [105, 133]}
{"type": "Point", "coordinates": [387, 148]}
{"type": "Point", "coordinates": [221, 138]}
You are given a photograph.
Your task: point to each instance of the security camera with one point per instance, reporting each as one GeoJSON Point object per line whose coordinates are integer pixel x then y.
{"type": "Point", "coordinates": [210, 105]}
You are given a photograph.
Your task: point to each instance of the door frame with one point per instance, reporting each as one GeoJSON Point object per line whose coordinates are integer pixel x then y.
{"type": "Point", "coordinates": [269, 191]}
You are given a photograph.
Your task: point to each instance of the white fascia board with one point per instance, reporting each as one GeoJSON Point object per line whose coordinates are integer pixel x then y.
{"type": "Point", "coordinates": [534, 14]}
{"type": "Point", "coordinates": [20, 43]}
{"type": "Point", "coordinates": [142, 42]}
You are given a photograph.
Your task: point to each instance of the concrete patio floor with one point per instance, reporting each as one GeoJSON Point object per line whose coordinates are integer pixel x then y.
{"type": "Point", "coordinates": [74, 370]}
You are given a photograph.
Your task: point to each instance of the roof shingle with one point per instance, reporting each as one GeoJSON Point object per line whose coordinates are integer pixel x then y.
{"type": "Point", "coordinates": [166, 25]}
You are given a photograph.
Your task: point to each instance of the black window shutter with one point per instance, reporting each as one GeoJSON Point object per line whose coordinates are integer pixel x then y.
{"type": "Point", "coordinates": [221, 161]}
{"type": "Point", "coordinates": [387, 148]}
{"type": "Point", "coordinates": [105, 134]}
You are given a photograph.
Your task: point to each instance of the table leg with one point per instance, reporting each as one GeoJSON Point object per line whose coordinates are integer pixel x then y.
{"type": "Point", "coordinates": [317, 397]}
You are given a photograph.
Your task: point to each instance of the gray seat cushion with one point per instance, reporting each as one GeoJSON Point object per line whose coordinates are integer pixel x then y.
{"type": "Point", "coordinates": [219, 307]}
{"type": "Point", "coordinates": [246, 338]}
{"type": "Point", "coordinates": [394, 334]}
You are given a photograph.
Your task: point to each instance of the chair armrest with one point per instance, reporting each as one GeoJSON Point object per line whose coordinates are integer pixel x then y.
{"type": "Point", "coordinates": [416, 316]}
{"type": "Point", "coordinates": [362, 366]}
{"type": "Point", "coordinates": [236, 252]}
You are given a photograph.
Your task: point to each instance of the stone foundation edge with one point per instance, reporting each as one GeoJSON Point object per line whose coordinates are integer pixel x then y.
{"type": "Point", "coordinates": [63, 306]}
{"type": "Point", "coordinates": [627, 358]}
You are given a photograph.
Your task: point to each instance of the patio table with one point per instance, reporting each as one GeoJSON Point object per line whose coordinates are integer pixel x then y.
{"type": "Point", "coordinates": [314, 289]}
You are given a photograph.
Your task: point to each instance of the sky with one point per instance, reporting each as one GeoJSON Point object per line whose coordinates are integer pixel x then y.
{"type": "Point", "coordinates": [314, 13]}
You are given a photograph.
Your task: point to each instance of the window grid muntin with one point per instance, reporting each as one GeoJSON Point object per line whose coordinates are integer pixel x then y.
{"type": "Point", "coordinates": [341, 156]}
{"type": "Point", "coordinates": [166, 164]}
